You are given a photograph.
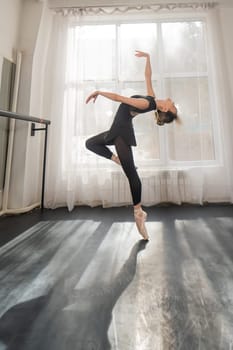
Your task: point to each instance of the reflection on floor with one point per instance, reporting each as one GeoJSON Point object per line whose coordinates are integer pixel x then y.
{"type": "Point", "coordinates": [84, 280]}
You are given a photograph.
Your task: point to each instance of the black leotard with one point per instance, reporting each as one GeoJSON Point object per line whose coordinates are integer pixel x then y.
{"type": "Point", "coordinates": [122, 124]}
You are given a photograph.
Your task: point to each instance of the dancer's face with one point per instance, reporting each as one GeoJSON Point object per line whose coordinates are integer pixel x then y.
{"type": "Point", "coordinates": [168, 105]}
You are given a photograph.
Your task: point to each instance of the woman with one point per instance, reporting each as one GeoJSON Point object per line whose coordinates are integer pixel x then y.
{"type": "Point", "coordinates": [121, 134]}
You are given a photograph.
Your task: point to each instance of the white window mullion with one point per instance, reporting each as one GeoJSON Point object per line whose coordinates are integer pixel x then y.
{"type": "Point", "coordinates": [117, 81]}
{"type": "Point", "coordinates": [214, 107]}
{"type": "Point", "coordinates": [162, 130]}
{"type": "Point", "coordinates": [186, 75]}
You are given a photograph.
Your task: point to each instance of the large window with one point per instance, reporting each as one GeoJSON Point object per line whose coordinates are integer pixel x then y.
{"type": "Point", "coordinates": [102, 57]}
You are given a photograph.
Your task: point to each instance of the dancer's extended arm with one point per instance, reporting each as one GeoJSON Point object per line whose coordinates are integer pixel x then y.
{"type": "Point", "coordinates": [140, 103]}
{"type": "Point", "coordinates": [148, 72]}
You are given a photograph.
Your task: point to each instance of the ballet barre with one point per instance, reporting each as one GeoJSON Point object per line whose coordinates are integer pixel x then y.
{"type": "Point", "coordinates": [34, 129]}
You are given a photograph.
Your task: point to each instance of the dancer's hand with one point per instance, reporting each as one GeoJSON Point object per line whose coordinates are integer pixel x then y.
{"type": "Point", "coordinates": [141, 54]}
{"type": "Point", "coordinates": [93, 97]}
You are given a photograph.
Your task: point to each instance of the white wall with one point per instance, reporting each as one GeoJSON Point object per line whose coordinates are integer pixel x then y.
{"type": "Point", "coordinates": [10, 11]}
{"type": "Point", "coordinates": [26, 153]}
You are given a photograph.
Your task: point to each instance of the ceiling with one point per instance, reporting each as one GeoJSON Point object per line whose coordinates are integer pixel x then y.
{"type": "Point", "coordinates": [88, 3]}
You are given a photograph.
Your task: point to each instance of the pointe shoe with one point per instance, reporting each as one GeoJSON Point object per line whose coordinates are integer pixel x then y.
{"type": "Point", "coordinates": [140, 218]}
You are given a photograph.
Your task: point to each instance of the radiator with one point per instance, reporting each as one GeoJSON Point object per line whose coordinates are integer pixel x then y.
{"type": "Point", "coordinates": [160, 186]}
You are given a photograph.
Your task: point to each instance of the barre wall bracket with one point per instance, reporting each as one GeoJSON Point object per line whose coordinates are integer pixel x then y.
{"type": "Point", "coordinates": [34, 129]}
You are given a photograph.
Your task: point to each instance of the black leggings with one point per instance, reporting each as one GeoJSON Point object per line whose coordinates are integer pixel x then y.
{"type": "Point", "coordinates": [97, 144]}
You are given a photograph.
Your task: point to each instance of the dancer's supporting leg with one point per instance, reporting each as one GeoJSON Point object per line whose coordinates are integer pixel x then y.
{"type": "Point", "coordinates": [125, 155]}
{"type": "Point", "coordinates": [97, 144]}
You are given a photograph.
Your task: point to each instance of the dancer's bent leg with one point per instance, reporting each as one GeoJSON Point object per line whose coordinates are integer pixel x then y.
{"type": "Point", "coordinates": [125, 155]}
{"type": "Point", "coordinates": [97, 144]}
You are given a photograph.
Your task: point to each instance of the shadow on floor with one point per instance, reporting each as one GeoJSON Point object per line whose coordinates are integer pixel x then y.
{"type": "Point", "coordinates": [67, 318]}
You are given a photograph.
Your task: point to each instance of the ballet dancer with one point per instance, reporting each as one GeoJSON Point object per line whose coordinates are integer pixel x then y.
{"type": "Point", "coordinates": [121, 134]}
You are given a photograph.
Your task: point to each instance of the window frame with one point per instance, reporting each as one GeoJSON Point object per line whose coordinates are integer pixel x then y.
{"type": "Point", "coordinates": [158, 19]}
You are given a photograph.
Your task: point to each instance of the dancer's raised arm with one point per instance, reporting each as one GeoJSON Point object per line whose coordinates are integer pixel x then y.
{"type": "Point", "coordinates": [148, 72]}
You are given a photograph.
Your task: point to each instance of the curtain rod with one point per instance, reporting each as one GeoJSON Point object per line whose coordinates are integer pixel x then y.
{"type": "Point", "coordinates": [124, 8]}
{"type": "Point", "coordinates": [160, 4]}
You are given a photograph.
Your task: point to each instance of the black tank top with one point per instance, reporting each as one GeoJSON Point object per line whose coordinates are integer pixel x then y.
{"type": "Point", "coordinates": [122, 124]}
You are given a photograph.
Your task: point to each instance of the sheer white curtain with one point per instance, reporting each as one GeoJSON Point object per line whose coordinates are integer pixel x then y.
{"type": "Point", "coordinates": [220, 179]}
{"type": "Point", "coordinates": [176, 163]}
{"type": "Point", "coordinates": [74, 175]}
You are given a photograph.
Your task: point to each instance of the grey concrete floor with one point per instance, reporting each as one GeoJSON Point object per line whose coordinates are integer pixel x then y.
{"type": "Point", "coordinates": [84, 280]}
